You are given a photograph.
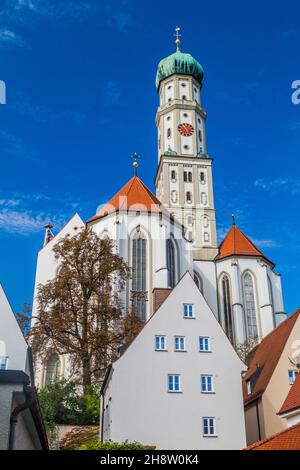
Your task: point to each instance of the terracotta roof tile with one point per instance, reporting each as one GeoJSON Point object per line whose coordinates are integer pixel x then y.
{"type": "Point", "coordinates": [237, 244]}
{"type": "Point", "coordinates": [159, 296]}
{"type": "Point", "coordinates": [266, 357]}
{"type": "Point", "coordinates": [289, 439]}
{"type": "Point", "coordinates": [134, 196]}
{"type": "Point", "coordinates": [292, 400]}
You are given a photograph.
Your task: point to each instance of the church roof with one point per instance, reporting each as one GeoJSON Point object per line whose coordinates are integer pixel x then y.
{"type": "Point", "coordinates": [237, 244]}
{"type": "Point", "coordinates": [292, 401]}
{"type": "Point", "coordinates": [134, 196]}
{"type": "Point", "coordinates": [181, 63]}
{"type": "Point", "coordinates": [266, 357]}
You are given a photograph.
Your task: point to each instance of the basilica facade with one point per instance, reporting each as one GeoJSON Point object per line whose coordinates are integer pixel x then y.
{"type": "Point", "coordinates": [163, 235]}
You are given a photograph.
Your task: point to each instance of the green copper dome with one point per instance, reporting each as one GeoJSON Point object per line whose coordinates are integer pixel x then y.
{"type": "Point", "coordinates": [179, 63]}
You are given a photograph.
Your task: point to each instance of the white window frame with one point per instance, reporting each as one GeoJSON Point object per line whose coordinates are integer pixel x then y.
{"type": "Point", "coordinates": [206, 391]}
{"type": "Point", "coordinates": [188, 309]}
{"type": "Point", "coordinates": [173, 383]}
{"type": "Point", "coordinates": [208, 341]}
{"type": "Point", "coordinates": [214, 426]}
{"type": "Point", "coordinates": [292, 376]}
{"type": "Point", "coordinates": [179, 338]}
{"type": "Point", "coordinates": [160, 348]}
{"type": "Point", "coordinates": [248, 383]}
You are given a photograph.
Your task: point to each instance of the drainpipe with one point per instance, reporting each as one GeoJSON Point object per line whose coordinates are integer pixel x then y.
{"type": "Point", "coordinates": [258, 420]}
{"type": "Point", "coordinates": [29, 394]}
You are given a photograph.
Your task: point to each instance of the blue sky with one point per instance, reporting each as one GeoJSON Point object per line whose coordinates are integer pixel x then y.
{"type": "Point", "coordinates": [81, 99]}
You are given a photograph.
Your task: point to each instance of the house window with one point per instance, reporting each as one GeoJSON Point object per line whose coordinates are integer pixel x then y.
{"type": "Point", "coordinates": [174, 383]}
{"type": "Point", "coordinates": [209, 427]}
{"type": "Point", "coordinates": [188, 311]}
{"type": "Point", "coordinates": [139, 281]}
{"type": "Point", "coordinates": [171, 263]}
{"type": "Point", "coordinates": [250, 307]}
{"type": "Point", "coordinates": [190, 177]}
{"type": "Point", "coordinates": [160, 343]}
{"type": "Point", "coordinates": [292, 376]}
{"type": "Point", "coordinates": [173, 176]}
{"type": "Point", "coordinates": [248, 383]}
{"type": "Point", "coordinates": [179, 343]}
{"type": "Point", "coordinates": [185, 176]}
{"type": "Point", "coordinates": [3, 362]}
{"type": "Point", "coordinates": [204, 345]}
{"type": "Point", "coordinates": [202, 177]}
{"type": "Point", "coordinates": [227, 310]}
{"type": "Point", "coordinates": [207, 384]}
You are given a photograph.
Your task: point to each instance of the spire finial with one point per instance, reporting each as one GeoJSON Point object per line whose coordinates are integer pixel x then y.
{"type": "Point", "coordinates": [135, 164]}
{"type": "Point", "coordinates": [48, 233]}
{"type": "Point", "coordinates": [177, 35]}
{"type": "Point", "coordinates": [233, 219]}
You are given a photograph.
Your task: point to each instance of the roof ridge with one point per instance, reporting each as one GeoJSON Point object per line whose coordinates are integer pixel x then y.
{"type": "Point", "coordinates": [267, 439]}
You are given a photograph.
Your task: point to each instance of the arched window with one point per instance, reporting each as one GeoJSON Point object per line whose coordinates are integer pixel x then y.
{"type": "Point", "coordinates": [227, 309]}
{"type": "Point", "coordinates": [249, 306]}
{"type": "Point", "coordinates": [52, 368]}
{"type": "Point", "coordinates": [190, 177]}
{"type": "Point", "coordinates": [188, 197]}
{"type": "Point", "coordinates": [169, 133]}
{"type": "Point", "coordinates": [198, 282]}
{"type": "Point", "coordinates": [171, 263]}
{"type": "Point", "coordinates": [139, 275]}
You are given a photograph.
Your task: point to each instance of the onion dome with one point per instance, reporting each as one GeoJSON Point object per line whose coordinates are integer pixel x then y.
{"type": "Point", "coordinates": [181, 63]}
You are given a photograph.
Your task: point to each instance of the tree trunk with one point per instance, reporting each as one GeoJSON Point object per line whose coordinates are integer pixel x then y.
{"type": "Point", "coordinates": [86, 374]}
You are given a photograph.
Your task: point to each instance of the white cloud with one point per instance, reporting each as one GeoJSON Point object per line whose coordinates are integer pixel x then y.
{"type": "Point", "coordinates": [8, 37]}
{"type": "Point", "coordinates": [265, 243]}
{"type": "Point", "coordinates": [291, 185]}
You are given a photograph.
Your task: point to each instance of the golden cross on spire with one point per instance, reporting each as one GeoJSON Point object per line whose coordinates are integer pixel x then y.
{"type": "Point", "coordinates": [177, 35]}
{"type": "Point", "coordinates": [135, 164]}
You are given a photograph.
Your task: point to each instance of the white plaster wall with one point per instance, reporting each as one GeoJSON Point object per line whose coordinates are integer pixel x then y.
{"type": "Point", "coordinates": [12, 342]}
{"type": "Point", "coordinates": [141, 409]}
{"type": "Point", "coordinates": [260, 270]}
{"type": "Point", "coordinates": [207, 271]}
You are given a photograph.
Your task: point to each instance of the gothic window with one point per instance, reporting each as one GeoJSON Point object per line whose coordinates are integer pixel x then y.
{"type": "Point", "coordinates": [188, 197]}
{"type": "Point", "coordinates": [250, 308]}
{"type": "Point", "coordinates": [52, 368]}
{"type": "Point", "coordinates": [227, 308]}
{"type": "Point", "coordinates": [198, 282]}
{"type": "Point", "coordinates": [171, 263]}
{"type": "Point", "coordinates": [169, 133]}
{"type": "Point", "coordinates": [139, 275]}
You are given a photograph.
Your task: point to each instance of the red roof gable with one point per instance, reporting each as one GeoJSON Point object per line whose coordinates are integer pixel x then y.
{"type": "Point", "coordinates": [266, 357]}
{"type": "Point", "coordinates": [134, 196]}
{"type": "Point", "coordinates": [289, 439]}
{"type": "Point", "coordinates": [236, 243]}
{"type": "Point", "coordinates": [292, 400]}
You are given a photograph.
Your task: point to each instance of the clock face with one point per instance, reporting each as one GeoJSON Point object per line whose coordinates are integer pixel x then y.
{"type": "Point", "coordinates": [186, 129]}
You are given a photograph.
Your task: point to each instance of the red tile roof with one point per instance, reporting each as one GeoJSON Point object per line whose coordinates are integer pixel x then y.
{"type": "Point", "coordinates": [289, 439]}
{"type": "Point", "coordinates": [159, 296]}
{"type": "Point", "coordinates": [266, 357]}
{"type": "Point", "coordinates": [134, 196]}
{"type": "Point", "coordinates": [237, 244]}
{"type": "Point", "coordinates": [292, 400]}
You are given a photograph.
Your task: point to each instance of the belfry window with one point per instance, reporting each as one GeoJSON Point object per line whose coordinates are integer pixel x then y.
{"type": "Point", "coordinates": [188, 197]}
{"type": "Point", "coordinates": [169, 133]}
{"type": "Point", "coordinates": [173, 176]}
{"type": "Point", "coordinates": [202, 177]}
{"type": "Point", "coordinates": [250, 308]}
{"type": "Point", "coordinates": [139, 276]}
{"type": "Point", "coordinates": [190, 177]}
{"type": "Point", "coordinates": [171, 263]}
{"type": "Point", "coordinates": [52, 369]}
{"type": "Point", "coordinates": [227, 309]}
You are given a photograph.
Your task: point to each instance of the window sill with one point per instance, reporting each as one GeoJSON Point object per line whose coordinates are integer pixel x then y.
{"type": "Point", "coordinates": [180, 350]}
{"type": "Point", "coordinates": [212, 435]}
{"type": "Point", "coordinates": [189, 318]}
{"type": "Point", "coordinates": [208, 393]}
{"type": "Point", "coordinates": [205, 352]}
{"type": "Point", "coordinates": [161, 350]}
{"type": "Point", "coordinates": [175, 391]}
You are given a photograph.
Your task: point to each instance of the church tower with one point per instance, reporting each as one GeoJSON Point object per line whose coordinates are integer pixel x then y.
{"type": "Point", "coordinates": [184, 175]}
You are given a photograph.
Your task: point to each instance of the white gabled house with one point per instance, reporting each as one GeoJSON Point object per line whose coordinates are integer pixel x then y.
{"type": "Point", "coordinates": [178, 384]}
